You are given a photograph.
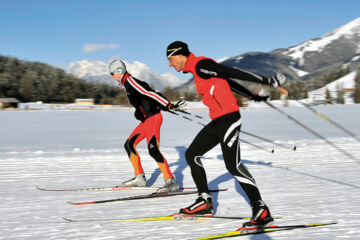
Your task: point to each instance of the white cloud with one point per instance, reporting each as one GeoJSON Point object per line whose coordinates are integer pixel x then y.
{"type": "Point", "coordinates": [98, 47]}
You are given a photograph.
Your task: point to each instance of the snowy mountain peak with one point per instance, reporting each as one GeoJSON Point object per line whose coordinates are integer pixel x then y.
{"type": "Point", "coordinates": [93, 71]}
{"type": "Point", "coordinates": [350, 31]}
{"type": "Point", "coordinates": [86, 68]}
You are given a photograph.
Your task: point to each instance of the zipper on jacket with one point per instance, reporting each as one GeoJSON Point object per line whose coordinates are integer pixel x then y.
{"type": "Point", "coordinates": [212, 94]}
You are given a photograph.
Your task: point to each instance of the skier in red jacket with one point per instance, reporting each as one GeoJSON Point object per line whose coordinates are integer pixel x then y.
{"type": "Point", "coordinates": [148, 104]}
{"type": "Point", "coordinates": [215, 82]}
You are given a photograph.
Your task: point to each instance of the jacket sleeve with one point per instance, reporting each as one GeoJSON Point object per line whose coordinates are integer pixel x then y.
{"type": "Point", "coordinates": [146, 91]}
{"type": "Point", "coordinates": [239, 80]}
{"type": "Point", "coordinates": [238, 88]}
{"type": "Point", "coordinates": [208, 68]}
{"type": "Point", "coordinates": [167, 107]}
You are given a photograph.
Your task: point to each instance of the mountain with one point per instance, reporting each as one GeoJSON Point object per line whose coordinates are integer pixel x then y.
{"type": "Point", "coordinates": [93, 71]}
{"type": "Point", "coordinates": [316, 56]}
{"type": "Point", "coordinates": [340, 47]}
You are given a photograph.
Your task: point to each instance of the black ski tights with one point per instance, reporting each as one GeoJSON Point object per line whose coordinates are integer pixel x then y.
{"type": "Point", "coordinates": [224, 130]}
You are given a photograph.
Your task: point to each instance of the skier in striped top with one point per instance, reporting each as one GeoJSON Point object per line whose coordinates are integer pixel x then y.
{"type": "Point", "coordinates": [148, 105]}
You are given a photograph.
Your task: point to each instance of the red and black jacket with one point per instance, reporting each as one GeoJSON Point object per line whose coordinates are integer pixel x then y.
{"type": "Point", "coordinates": [215, 82]}
{"type": "Point", "coordinates": [216, 93]}
{"type": "Point", "coordinates": [146, 101]}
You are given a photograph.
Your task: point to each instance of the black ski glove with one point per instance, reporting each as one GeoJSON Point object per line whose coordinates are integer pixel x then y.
{"type": "Point", "coordinates": [177, 106]}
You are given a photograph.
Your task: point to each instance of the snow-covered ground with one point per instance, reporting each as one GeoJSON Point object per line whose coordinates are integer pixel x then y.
{"type": "Point", "coordinates": [73, 149]}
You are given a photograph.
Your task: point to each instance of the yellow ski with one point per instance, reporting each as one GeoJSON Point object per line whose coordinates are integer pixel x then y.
{"type": "Point", "coordinates": [257, 230]}
{"type": "Point", "coordinates": [173, 217]}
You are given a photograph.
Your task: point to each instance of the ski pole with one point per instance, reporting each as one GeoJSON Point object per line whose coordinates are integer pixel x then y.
{"type": "Point", "coordinates": [247, 133]}
{"type": "Point", "coordinates": [311, 131]}
{"type": "Point", "coordinates": [257, 146]}
{"type": "Point", "coordinates": [202, 124]}
{"type": "Point", "coordinates": [253, 144]}
{"type": "Point", "coordinates": [185, 112]}
{"type": "Point", "coordinates": [330, 121]}
{"type": "Point", "coordinates": [268, 140]}
{"type": "Point", "coordinates": [323, 116]}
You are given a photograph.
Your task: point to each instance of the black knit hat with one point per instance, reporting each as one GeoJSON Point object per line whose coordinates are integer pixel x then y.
{"type": "Point", "coordinates": [177, 48]}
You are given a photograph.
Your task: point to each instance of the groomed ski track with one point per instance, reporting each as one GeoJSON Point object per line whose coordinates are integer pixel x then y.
{"type": "Point", "coordinates": [80, 149]}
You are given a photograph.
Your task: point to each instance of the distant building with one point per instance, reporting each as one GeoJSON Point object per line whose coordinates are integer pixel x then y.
{"type": "Point", "coordinates": [84, 101]}
{"type": "Point", "coordinates": [349, 95]}
{"type": "Point", "coordinates": [8, 103]}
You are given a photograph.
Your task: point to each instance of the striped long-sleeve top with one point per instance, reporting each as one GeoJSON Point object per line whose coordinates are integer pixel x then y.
{"type": "Point", "coordinates": [147, 102]}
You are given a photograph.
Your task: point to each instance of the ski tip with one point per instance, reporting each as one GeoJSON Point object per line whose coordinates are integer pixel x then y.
{"type": "Point", "coordinates": [286, 227]}
{"type": "Point", "coordinates": [39, 188]}
{"type": "Point", "coordinates": [218, 190]}
{"type": "Point", "coordinates": [323, 224]}
{"type": "Point", "coordinates": [68, 219]}
{"type": "Point", "coordinates": [81, 203]}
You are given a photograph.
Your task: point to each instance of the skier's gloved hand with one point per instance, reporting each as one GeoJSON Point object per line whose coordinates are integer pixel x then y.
{"type": "Point", "coordinates": [277, 80]}
{"type": "Point", "coordinates": [177, 106]}
{"type": "Point", "coordinates": [258, 98]}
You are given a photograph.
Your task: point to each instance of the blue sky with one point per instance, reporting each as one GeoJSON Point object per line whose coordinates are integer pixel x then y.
{"type": "Point", "coordinates": [58, 32]}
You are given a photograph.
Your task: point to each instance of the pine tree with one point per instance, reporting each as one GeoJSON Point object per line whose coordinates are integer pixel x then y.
{"type": "Point", "coordinates": [34, 81]}
{"type": "Point", "coordinates": [240, 99]}
{"type": "Point", "coordinates": [357, 88]}
{"type": "Point", "coordinates": [297, 89]}
{"type": "Point", "coordinates": [328, 97]}
{"type": "Point", "coordinates": [340, 94]}
{"type": "Point", "coordinates": [171, 94]}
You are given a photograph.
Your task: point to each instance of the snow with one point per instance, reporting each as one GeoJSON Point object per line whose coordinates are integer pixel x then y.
{"type": "Point", "coordinates": [299, 72]}
{"type": "Point", "coordinates": [356, 58]}
{"type": "Point", "coordinates": [58, 149]}
{"type": "Point", "coordinates": [318, 45]}
{"type": "Point", "coordinates": [345, 82]}
{"type": "Point", "coordinates": [223, 59]}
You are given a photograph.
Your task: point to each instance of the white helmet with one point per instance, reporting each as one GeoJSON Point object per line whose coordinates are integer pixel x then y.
{"type": "Point", "coordinates": [117, 67]}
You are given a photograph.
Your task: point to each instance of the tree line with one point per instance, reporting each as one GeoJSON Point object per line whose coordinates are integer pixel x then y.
{"type": "Point", "coordinates": [34, 81]}
{"type": "Point", "coordinates": [298, 89]}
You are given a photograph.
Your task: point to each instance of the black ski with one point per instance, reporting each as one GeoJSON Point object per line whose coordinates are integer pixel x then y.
{"type": "Point", "coordinates": [151, 195]}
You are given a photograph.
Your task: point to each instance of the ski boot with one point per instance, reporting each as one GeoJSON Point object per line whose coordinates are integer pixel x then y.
{"type": "Point", "coordinates": [170, 186]}
{"type": "Point", "coordinates": [202, 205]}
{"type": "Point", "coordinates": [261, 216]}
{"type": "Point", "coordinates": [138, 181]}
